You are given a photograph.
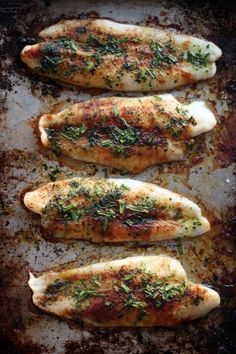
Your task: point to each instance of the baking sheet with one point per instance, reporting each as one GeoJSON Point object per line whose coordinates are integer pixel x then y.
{"type": "Point", "coordinates": [207, 176]}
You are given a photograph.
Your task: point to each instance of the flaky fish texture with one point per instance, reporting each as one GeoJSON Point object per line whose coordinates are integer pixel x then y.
{"type": "Point", "coordinates": [126, 133]}
{"type": "Point", "coordinates": [141, 291]}
{"type": "Point", "coordinates": [114, 210]}
{"type": "Point", "coordinates": [104, 54]}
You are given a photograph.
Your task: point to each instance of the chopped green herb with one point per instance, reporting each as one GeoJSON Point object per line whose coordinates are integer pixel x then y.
{"type": "Point", "coordinates": [49, 63]}
{"type": "Point", "coordinates": [128, 276]}
{"type": "Point", "coordinates": [68, 43]}
{"type": "Point", "coordinates": [119, 139]}
{"type": "Point", "coordinates": [115, 110]}
{"type": "Point", "coordinates": [179, 246]}
{"type": "Point", "coordinates": [143, 207]}
{"type": "Point", "coordinates": [198, 59]}
{"type": "Point", "coordinates": [180, 110]}
{"type": "Point", "coordinates": [133, 302]}
{"type": "Point", "coordinates": [103, 207]}
{"type": "Point", "coordinates": [107, 216]}
{"type": "Point", "coordinates": [125, 288]}
{"type": "Point", "coordinates": [110, 81]}
{"type": "Point", "coordinates": [159, 56]}
{"type": "Point", "coordinates": [143, 74]}
{"type": "Point", "coordinates": [53, 55]}
{"type": "Point", "coordinates": [122, 206]}
{"type": "Point", "coordinates": [110, 45]}
{"type": "Point", "coordinates": [136, 40]}
{"type": "Point", "coordinates": [89, 66]}
{"type": "Point", "coordinates": [161, 292]}
{"type": "Point", "coordinates": [193, 120]}
{"type": "Point", "coordinates": [83, 294]}
{"type": "Point", "coordinates": [73, 133]}
{"type": "Point", "coordinates": [73, 188]}
{"type": "Point", "coordinates": [158, 98]}
{"type": "Point", "coordinates": [107, 143]}
{"type": "Point", "coordinates": [176, 126]}
{"type": "Point", "coordinates": [151, 73]}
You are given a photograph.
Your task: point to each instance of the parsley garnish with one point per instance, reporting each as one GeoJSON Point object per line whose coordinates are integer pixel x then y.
{"type": "Point", "coordinates": [68, 43]}
{"type": "Point", "coordinates": [143, 74]}
{"type": "Point", "coordinates": [115, 110]}
{"type": "Point", "coordinates": [198, 59]}
{"type": "Point", "coordinates": [134, 302]}
{"type": "Point", "coordinates": [110, 45]}
{"type": "Point", "coordinates": [159, 56]}
{"type": "Point", "coordinates": [176, 126]}
{"type": "Point", "coordinates": [125, 288]}
{"type": "Point", "coordinates": [161, 292]}
{"type": "Point", "coordinates": [82, 292]}
{"type": "Point", "coordinates": [89, 66]}
{"type": "Point", "coordinates": [53, 55]}
{"type": "Point", "coordinates": [50, 63]}
{"type": "Point", "coordinates": [73, 133]}
{"type": "Point", "coordinates": [142, 207]}
{"type": "Point", "coordinates": [104, 206]}
{"type": "Point", "coordinates": [193, 120]}
{"type": "Point", "coordinates": [119, 139]}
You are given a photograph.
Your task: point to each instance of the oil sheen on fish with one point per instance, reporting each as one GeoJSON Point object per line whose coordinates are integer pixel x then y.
{"type": "Point", "coordinates": [126, 133]}
{"type": "Point", "coordinates": [114, 210]}
{"type": "Point", "coordinates": [141, 291]}
{"type": "Point", "coordinates": [104, 54]}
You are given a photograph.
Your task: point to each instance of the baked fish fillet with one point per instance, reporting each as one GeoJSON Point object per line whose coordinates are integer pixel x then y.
{"type": "Point", "coordinates": [137, 291]}
{"type": "Point", "coordinates": [114, 210]}
{"type": "Point", "coordinates": [105, 54]}
{"type": "Point", "coordinates": [126, 133]}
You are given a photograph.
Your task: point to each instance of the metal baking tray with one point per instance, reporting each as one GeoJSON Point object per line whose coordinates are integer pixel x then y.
{"type": "Point", "coordinates": [206, 176]}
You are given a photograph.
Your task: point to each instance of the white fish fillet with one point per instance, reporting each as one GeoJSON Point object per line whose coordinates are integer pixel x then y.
{"type": "Point", "coordinates": [105, 54]}
{"type": "Point", "coordinates": [126, 133]}
{"type": "Point", "coordinates": [136, 291]}
{"type": "Point", "coordinates": [114, 210]}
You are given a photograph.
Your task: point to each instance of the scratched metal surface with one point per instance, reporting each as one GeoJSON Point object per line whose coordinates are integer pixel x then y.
{"type": "Point", "coordinates": [206, 176]}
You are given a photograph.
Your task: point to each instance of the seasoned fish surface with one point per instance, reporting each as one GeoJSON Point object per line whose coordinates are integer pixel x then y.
{"type": "Point", "coordinates": [126, 133]}
{"type": "Point", "coordinates": [137, 291]}
{"type": "Point", "coordinates": [104, 54]}
{"type": "Point", "coordinates": [114, 210]}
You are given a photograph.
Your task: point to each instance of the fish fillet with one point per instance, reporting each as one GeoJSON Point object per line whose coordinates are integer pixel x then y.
{"type": "Point", "coordinates": [126, 133]}
{"type": "Point", "coordinates": [142, 291]}
{"type": "Point", "coordinates": [114, 210]}
{"type": "Point", "coordinates": [104, 54]}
